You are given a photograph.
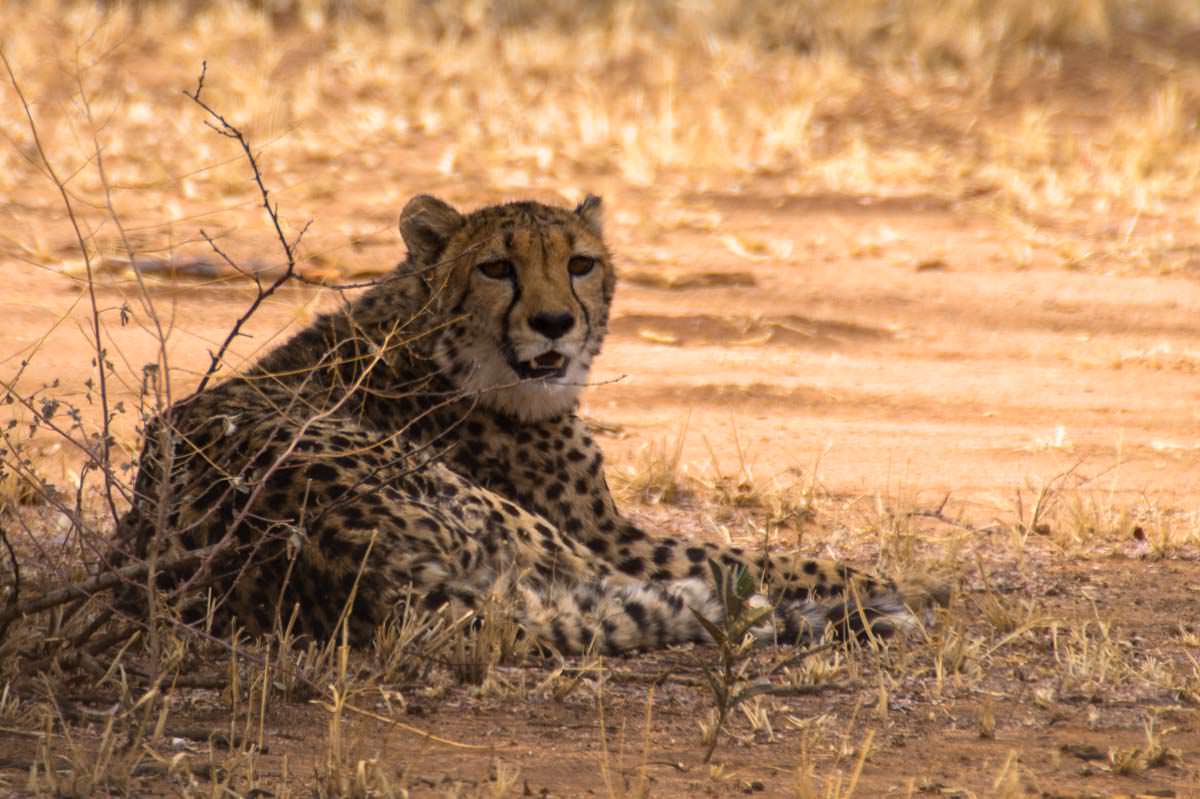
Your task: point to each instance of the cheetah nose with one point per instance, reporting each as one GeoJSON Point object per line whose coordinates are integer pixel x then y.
{"type": "Point", "coordinates": [552, 324]}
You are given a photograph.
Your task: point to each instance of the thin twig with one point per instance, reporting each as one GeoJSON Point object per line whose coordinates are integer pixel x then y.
{"type": "Point", "coordinates": [143, 290]}
{"type": "Point", "coordinates": [408, 727]}
{"type": "Point", "coordinates": [15, 597]}
{"type": "Point", "coordinates": [102, 582]}
{"type": "Point", "coordinates": [803, 655]}
{"type": "Point", "coordinates": [939, 514]}
{"type": "Point", "coordinates": [366, 284]}
{"type": "Point", "coordinates": [98, 342]}
{"type": "Point", "coordinates": [229, 131]}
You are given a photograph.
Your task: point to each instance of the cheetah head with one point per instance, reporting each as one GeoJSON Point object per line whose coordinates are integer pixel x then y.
{"type": "Point", "coordinates": [521, 293]}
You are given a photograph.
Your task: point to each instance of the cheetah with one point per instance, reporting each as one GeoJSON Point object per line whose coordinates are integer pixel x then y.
{"type": "Point", "coordinates": [421, 444]}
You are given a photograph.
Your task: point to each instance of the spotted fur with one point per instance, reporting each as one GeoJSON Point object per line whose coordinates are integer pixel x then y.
{"type": "Point", "coordinates": [422, 441]}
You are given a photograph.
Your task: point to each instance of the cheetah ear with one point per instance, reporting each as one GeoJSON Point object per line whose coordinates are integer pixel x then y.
{"type": "Point", "coordinates": [426, 223]}
{"type": "Point", "coordinates": [591, 211]}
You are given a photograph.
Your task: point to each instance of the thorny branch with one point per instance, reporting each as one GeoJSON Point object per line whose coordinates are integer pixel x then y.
{"type": "Point", "coordinates": [99, 458]}
{"type": "Point", "coordinates": [230, 131]}
{"type": "Point", "coordinates": [143, 291]}
{"type": "Point", "coordinates": [97, 340]}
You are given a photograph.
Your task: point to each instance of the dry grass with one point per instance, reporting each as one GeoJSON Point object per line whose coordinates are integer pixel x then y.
{"type": "Point", "coordinates": [868, 98]}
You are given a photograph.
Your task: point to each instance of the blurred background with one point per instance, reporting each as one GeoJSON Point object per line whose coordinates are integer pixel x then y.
{"type": "Point", "coordinates": [1082, 112]}
{"type": "Point", "coordinates": [952, 242]}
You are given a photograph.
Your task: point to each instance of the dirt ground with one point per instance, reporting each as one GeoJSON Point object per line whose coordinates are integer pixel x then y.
{"type": "Point", "coordinates": [921, 369]}
{"type": "Point", "coordinates": [895, 345]}
{"type": "Point", "coordinates": [899, 374]}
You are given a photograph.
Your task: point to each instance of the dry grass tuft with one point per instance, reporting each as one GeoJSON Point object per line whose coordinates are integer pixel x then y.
{"type": "Point", "coordinates": [657, 473]}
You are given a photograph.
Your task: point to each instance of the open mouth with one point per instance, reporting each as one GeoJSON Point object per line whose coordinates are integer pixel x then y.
{"type": "Point", "coordinates": [548, 364]}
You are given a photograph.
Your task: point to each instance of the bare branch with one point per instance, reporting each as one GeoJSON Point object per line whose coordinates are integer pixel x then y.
{"type": "Point", "coordinates": [103, 582]}
{"type": "Point", "coordinates": [143, 290]}
{"type": "Point", "coordinates": [227, 129]}
{"type": "Point", "coordinates": [14, 598]}
{"type": "Point", "coordinates": [97, 339]}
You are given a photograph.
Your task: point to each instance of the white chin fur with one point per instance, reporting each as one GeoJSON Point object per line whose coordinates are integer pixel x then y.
{"type": "Point", "coordinates": [495, 385]}
{"type": "Point", "coordinates": [533, 400]}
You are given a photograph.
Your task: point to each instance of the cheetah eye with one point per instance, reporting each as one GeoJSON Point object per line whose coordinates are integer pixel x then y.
{"type": "Point", "coordinates": [580, 265]}
{"type": "Point", "coordinates": [500, 269]}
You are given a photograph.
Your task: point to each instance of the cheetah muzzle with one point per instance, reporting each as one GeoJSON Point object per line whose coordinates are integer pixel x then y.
{"type": "Point", "coordinates": [550, 364]}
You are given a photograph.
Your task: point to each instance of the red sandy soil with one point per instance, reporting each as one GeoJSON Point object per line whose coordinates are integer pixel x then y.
{"type": "Point", "coordinates": [899, 352]}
